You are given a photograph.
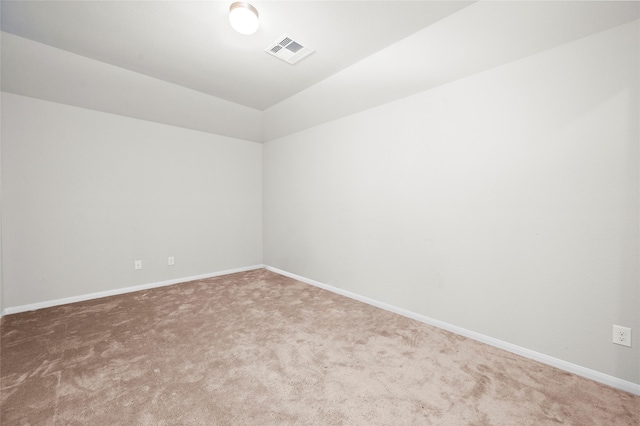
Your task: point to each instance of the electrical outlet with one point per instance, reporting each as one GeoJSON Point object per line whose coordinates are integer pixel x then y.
{"type": "Point", "coordinates": [137, 265]}
{"type": "Point", "coordinates": [171, 261]}
{"type": "Point", "coordinates": [621, 335]}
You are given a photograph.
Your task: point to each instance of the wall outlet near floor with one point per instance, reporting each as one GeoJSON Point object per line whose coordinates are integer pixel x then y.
{"type": "Point", "coordinates": [621, 335]}
{"type": "Point", "coordinates": [171, 261]}
{"type": "Point", "coordinates": [137, 265]}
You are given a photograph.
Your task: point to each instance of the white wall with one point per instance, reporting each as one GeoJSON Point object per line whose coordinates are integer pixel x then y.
{"type": "Point", "coordinates": [505, 203]}
{"type": "Point", "coordinates": [85, 193]}
{"type": "Point", "coordinates": [1, 285]}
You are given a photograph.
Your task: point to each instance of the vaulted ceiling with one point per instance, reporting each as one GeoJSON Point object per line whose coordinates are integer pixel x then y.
{"type": "Point", "coordinates": [100, 54]}
{"type": "Point", "coordinates": [190, 43]}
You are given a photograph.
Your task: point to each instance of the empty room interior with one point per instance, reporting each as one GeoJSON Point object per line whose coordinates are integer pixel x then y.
{"type": "Point", "coordinates": [355, 212]}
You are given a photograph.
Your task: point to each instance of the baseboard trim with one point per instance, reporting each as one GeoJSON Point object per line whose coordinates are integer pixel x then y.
{"type": "Point", "coordinates": [588, 373]}
{"type": "Point", "coordinates": [98, 295]}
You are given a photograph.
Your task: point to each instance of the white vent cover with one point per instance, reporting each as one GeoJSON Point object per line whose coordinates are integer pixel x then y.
{"type": "Point", "coordinates": [288, 49]}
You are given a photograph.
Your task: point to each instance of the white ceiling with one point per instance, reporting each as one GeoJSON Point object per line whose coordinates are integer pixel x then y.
{"type": "Point", "coordinates": [180, 63]}
{"type": "Point", "coordinates": [190, 43]}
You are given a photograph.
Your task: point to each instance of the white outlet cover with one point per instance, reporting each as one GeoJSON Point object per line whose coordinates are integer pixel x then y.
{"type": "Point", "coordinates": [622, 335]}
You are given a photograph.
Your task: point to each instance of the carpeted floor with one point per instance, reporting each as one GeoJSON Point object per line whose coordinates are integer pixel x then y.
{"type": "Point", "coordinates": [257, 348]}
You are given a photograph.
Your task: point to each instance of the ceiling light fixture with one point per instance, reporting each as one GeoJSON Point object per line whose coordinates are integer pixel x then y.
{"type": "Point", "coordinates": [243, 18]}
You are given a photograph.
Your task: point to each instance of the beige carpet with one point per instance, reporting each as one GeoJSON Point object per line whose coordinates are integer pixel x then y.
{"type": "Point", "coordinates": [256, 348]}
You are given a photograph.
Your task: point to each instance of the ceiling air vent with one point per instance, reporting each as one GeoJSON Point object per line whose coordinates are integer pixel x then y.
{"type": "Point", "coordinates": [288, 50]}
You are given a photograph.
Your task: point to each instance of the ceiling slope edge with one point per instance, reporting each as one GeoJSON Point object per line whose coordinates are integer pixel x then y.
{"type": "Point", "coordinates": [480, 37]}
{"type": "Point", "coordinates": [43, 72]}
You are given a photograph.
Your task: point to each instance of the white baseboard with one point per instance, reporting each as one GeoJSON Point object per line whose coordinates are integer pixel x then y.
{"type": "Point", "coordinates": [73, 299]}
{"type": "Point", "coordinates": [594, 375]}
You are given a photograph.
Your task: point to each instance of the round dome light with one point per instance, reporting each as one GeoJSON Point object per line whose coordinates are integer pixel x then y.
{"type": "Point", "coordinates": [243, 18]}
